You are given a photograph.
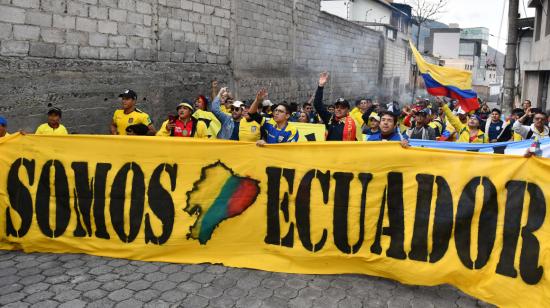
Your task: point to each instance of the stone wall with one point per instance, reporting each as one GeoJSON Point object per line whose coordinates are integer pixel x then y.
{"type": "Point", "coordinates": [79, 55]}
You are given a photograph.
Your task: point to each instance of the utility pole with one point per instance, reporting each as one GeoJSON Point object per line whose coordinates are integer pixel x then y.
{"type": "Point", "coordinates": [511, 58]}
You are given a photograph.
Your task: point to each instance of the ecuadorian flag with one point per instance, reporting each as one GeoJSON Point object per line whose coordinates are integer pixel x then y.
{"type": "Point", "coordinates": [447, 81]}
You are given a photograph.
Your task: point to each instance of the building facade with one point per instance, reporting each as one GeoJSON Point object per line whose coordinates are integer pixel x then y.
{"type": "Point", "coordinates": [536, 67]}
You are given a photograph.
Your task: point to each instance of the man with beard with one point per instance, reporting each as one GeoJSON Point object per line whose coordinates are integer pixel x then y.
{"type": "Point", "coordinates": [237, 126]}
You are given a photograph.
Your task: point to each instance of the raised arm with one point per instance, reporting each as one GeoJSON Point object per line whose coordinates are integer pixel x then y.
{"type": "Point", "coordinates": [455, 122]}
{"type": "Point", "coordinates": [519, 127]}
{"type": "Point", "coordinates": [260, 96]}
{"type": "Point", "coordinates": [214, 90]}
{"type": "Point", "coordinates": [216, 105]}
{"type": "Point", "coordinates": [318, 101]}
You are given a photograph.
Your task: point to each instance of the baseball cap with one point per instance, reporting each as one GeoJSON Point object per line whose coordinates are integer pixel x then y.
{"type": "Point", "coordinates": [54, 110]}
{"type": "Point", "coordinates": [185, 104]}
{"type": "Point", "coordinates": [460, 111]}
{"type": "Point", "coordinates": [128, 94]}
{"type": "Point", "coordinates": [375, 116]}
{"type": "Point", "coordinates": [237, 104]}
{"type": "Point", "coordinates": [267, 103]}
{"type": "Point", "coordinates": [424, 112]}
{"type": "Point", "coordinates": [3, 121]}
{"type": "Point", "coordinates": [342, 102]}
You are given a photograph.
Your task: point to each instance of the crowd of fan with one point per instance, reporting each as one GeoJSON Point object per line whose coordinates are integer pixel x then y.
{"type": "Point", "coordinates": [261, 121]}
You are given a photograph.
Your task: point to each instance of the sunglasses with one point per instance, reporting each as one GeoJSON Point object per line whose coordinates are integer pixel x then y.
{"type": "Point", "coordinates": [277, 110]}
{"type": "Point", "coordinates": [235, 109]}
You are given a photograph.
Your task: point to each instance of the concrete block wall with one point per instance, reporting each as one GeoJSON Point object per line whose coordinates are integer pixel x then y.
{"type": "Point", "coordinates": [80, 54]}
{"type": "Point", "coordinates": [284, 45]}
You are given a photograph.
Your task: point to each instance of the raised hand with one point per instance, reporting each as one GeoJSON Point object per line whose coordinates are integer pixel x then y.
{"type": "Point", "coordinates": [223, 92]}
{"type": "Point", "coordinates": [323, 78]}
{"type": "Point", "coordinates": [261, 94]}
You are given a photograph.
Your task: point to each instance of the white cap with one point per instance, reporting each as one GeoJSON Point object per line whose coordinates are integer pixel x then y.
{"type": "Point", "coordinates": [267, 103]}
{"type": "Point", "coordinates": [237, 104]}
{"type": "Point", "coordinates": [460, 110]}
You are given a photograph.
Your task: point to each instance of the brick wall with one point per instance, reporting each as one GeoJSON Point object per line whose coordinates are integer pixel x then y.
{"type": "Point", "coordinates": [80, 54]}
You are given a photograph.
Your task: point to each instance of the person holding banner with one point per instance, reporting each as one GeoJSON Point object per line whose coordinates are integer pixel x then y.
{"type": "Point", "coordinates": [537, 130]}
{"type": "Point", "coordinates": [53, 126]}
{"type": "Point", "coordinates": [389, 130]}
{"type": "Point", "coordinates": [130, 115]}
{"type": "Point", "coordinates": [469, 133]}
{"type": "Point", "coordinates": [276, 129]}
{"type": "Point", "coordinates": [340, 126]}
{"type": "Point", "coordinates": [238, 125]}
{"type": "Point", "coordinates": [185, 125]}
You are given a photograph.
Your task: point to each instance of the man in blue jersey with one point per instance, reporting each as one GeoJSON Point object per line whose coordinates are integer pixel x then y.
{"type": "Point", "coordinates": [276, 129]}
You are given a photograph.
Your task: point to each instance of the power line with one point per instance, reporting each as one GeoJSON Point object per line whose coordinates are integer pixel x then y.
{"type": "Point", "coordinates": [500, 29]}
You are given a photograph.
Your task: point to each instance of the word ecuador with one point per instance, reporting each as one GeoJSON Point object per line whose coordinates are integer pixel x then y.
{"type": "Point", "coordinates": [448, 226]}
{"type": "Point", "coordinates": [283, 180]}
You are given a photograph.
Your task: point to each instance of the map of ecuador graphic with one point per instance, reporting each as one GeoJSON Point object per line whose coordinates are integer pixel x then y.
{"type": "Point", "coordinates": [218, 195]}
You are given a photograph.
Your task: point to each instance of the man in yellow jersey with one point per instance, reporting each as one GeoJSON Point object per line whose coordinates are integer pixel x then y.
{"type": "Point", "coordinates": [3, 127]}
{"type": "Point", "coordinates": [53, 126]}
{"type": "Point", "coordinates": [130, 115]}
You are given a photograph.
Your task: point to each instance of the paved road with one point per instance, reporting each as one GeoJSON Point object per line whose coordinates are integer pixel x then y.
{"type": "Point", "coordinates": [73, 280]}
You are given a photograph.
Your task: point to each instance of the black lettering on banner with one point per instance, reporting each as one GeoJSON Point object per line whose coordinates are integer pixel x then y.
{"type": "Point", "coordinates": [419, 244]}
{"type": "Point", "coordinates": [161, 203]}
{"type": "Point", "coordinates": [487, 222]}
{"type": "Point", "coordinates": [273, 190]}
{"type": "Point", "coordinates": [62, 205]}
{"type": "Point", "coordinates": [529, 268]}
{"type": "Point", "coordinates": [512, 226]}
{"type": "Point", "coordinates": [86, 192]}
{"type": "Point", "coordinates": [396, 229]}
{"type": "Point", "coordinates": [303, 202]}
{"type": "Point", "coordinates": [443, 222]}
{"type": "Point", "coordinates": [341, 205]}
{"type": "Point", "coordinates": [137, 203]}
{"type": "Point", "coordinates": [443, 219]}
{"type": "Point", "coordinates": [20, 197]}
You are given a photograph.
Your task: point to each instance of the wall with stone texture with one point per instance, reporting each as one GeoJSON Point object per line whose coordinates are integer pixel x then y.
{"type": "Point", "coordinates": [79, 55]}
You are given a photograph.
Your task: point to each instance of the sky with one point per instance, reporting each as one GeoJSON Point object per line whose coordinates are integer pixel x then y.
{"type": "Point", "coordinates": [473, 13]}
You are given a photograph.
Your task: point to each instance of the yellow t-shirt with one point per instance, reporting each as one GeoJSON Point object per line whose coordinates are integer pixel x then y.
{"type": "Point", "coordinates": [122, 120]}
{"type": "Point", "coordinates": [224, 109]}
{"type": "Point", "coordinates": [250, 130]}
{"type": "Point", "coordinates": [45, 129]}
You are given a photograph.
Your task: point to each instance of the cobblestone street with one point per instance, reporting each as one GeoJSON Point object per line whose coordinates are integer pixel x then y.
{"type": "Point", "coordinates": [73, 280]}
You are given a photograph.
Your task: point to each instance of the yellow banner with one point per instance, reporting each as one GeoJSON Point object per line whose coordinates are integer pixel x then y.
{"type": "Point", "coordinates": [420, 216]}
{"type": "Point", "coordinates": [310, 132]}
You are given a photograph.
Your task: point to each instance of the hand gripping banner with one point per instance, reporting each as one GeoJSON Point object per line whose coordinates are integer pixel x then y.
{"type": "Point", "coordinates": [420, 216]}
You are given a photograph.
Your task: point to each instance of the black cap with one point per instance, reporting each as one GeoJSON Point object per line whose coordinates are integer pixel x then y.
{"type": "Point", "coordinates": [129, 94]}
{"type": "Point", "coordinates": [54, 110]}
{"type": "Point", "coordinates": [342, 102]}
